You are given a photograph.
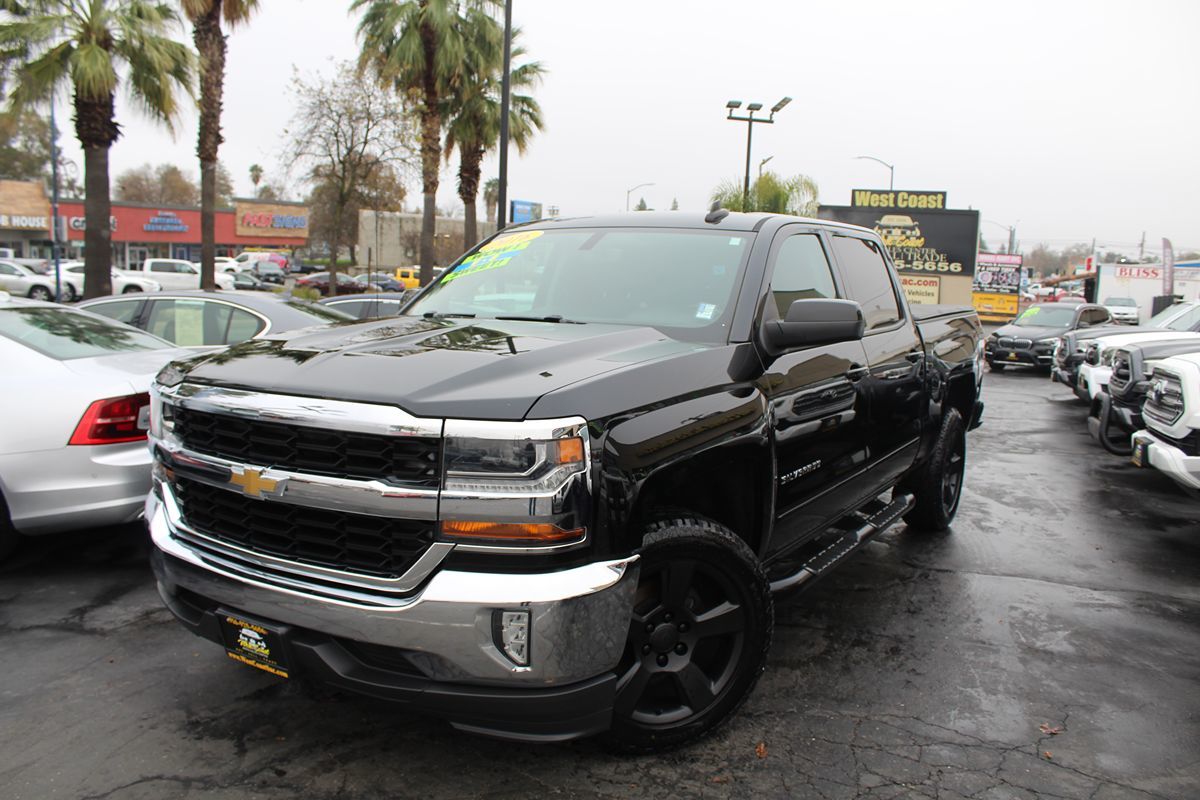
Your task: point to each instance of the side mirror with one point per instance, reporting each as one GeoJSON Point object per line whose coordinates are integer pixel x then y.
{"type": "Point", "coordinates": [814, 322]}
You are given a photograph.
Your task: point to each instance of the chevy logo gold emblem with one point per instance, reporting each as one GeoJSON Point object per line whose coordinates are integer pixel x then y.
{"type": "Point", "coordinates": [252, 483]}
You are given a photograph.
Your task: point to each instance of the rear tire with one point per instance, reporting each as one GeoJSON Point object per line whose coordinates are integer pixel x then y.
{"type": "Point", "coordinates": [131, 289]}
{"type": "Point", "coordinates": [698, 638]}
{"type": "Point", "coordinates": [68, 293]}
{"type": "Point", "coordinates": [938, 485]}
{"type": "Point", "coordinates": [41, 293]}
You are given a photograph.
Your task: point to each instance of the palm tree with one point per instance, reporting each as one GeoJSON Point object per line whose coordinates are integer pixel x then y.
{"type": "Point", "coordinates": [417, 47]}
{"type": "Point", "coordinates": [256, 175]}
{"type": "Point", "coordinates": [474, 125]}
{"type": "Point", "coordinates": [45, 43]}
{"type": "Point", "coordinates": [796, 195]}
{"type": "Point", "coordinates": [205, 16]}
{"type": "Point", "coordinates": [491, 197]}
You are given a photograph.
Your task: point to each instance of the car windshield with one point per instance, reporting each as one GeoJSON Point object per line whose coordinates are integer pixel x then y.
{"type": "Point", "coordinates": [1119, 301]}
{"type": "Point", "coordinates": [1045, 317]}
{"type": "Point", "coordinates": [1159, 320]}
{"type": "Point", "coordinates": [64, 334]}
{"type": "Point", "coordinates": [680, 281]}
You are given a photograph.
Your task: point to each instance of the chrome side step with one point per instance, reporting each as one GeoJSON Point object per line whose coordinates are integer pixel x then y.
{"type": "Point", "coordinates": [872, 519]}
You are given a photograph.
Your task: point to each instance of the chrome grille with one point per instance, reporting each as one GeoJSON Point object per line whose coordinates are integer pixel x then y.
{"type": "Point", "coordinates": [408, 460]}
{"type": "Point", "coordinates": [369, 545]}
{"type": "Point", "coordinates": [1022, 344]}
{"type": "Point", "coordinates": [1004, 341]}
{"type": "Point", "coordinates": [1120, 373]}
{"type": "Point", "coordinates": [1164, 403]}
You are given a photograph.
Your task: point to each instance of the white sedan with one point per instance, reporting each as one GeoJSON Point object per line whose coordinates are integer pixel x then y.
{"type": "Point", "coordinates": [73, 418]}
{"type": "Point", "coordinates": [122, 283]}
{"type": "Point", "coordinates": [20, 280]}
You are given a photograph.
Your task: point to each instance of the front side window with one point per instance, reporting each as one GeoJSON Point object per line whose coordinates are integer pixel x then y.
{"type": "Point", "coordinates": [868, 280]}
{"type": "Point", "coordinates": [682, 282]}
{"type": "Point", "coordinates": [8, 269]}
{"type": "Point", "coordinates": [801, 272]}
{"type": "Point", "coordinates": [64, 334]}
{"type": "Point", "coordinates": [1187, 321]}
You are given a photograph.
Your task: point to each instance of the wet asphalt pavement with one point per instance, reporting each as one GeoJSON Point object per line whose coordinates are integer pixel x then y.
{"type": "Point", "coordinates": [1049, 646]}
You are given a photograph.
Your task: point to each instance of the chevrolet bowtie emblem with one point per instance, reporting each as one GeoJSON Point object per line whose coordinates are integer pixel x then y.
{"type": "Point", "coordinates": [252, 483]}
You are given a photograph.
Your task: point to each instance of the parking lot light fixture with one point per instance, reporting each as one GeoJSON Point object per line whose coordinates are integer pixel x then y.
{"type": "Point", "coordinates": [891, 168]}
{"type": "Point", "coordinates": [750, 119]}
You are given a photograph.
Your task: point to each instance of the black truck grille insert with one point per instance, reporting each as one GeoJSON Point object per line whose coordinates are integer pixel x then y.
{"type": "Point", "coordinates": [376, 546]}
{"type": "Point", "coordinates": [411, 460]}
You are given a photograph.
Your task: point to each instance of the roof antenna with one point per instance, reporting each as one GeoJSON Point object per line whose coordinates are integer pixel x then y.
{"type": "Point", "coordinates": [716, 213]}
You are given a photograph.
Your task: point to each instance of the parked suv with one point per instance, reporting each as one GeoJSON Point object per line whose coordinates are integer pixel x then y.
{"type": "Point", "coordinates": [1030, 339]}
{"type": "Point", "coordinates": [556, 496]}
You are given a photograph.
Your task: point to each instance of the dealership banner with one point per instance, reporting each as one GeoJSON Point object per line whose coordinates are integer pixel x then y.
{"type": "Point", "coordinates": [921, 242]}
{"type": "Point", "coordinates": [997, 288]}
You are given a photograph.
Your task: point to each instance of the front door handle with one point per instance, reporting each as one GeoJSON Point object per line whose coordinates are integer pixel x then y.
{"type": "Point", "coordinates": [915, 356]}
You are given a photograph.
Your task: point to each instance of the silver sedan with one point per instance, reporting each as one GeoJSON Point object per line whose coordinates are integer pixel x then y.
{"type": "Point", "coordinates": [74, 411]}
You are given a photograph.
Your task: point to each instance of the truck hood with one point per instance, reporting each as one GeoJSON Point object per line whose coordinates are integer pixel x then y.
{"type": "Point", "coordinates": [470, 369]}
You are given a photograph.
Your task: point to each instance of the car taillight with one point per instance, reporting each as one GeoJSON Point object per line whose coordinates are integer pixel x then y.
{"type": "Point", "coordinates": [114, 420]}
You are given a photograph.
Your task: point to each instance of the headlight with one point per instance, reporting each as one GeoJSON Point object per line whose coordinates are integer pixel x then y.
{"type": "Point", "coordinates": [515, 484]}
{"type": "Point", "coordinates": [1048, 342]}
{"type": "Point", "coordinates": [1106, 356]}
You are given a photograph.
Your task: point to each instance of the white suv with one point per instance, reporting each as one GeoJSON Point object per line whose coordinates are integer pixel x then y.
{"type": "Point", "coordinates": [175, 274]}
{"type": "Point", "coordinates": [1171, 440]}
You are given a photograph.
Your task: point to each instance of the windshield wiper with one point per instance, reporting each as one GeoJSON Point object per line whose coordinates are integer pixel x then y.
{"type": "Point", "coordinates": [440, 315]}
{"type": "Point", "coordinates": [547, 318]}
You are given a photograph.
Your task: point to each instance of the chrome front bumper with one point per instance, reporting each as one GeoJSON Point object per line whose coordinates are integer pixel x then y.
{"type": "Point", "coordinates": [579, 617]}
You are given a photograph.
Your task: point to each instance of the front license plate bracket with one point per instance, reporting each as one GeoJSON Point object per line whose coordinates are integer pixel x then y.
{"type": "Point", "coordinates": [254, 643]}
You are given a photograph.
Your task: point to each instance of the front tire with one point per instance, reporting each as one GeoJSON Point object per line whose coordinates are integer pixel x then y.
{"type": "Point", "coordinates": [41, 293]}
{"type": "Point", "coordinates": [698, 637]}
{"type": "Point", "coordinates": [938, 485]}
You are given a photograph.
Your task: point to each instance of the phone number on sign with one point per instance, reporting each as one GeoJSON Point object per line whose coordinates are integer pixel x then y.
{"type": "Point", "coordinates": [930, 266]}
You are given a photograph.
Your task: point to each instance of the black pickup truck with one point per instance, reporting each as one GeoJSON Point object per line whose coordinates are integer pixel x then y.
{"type": "Point", "coordinates": [556, 496]}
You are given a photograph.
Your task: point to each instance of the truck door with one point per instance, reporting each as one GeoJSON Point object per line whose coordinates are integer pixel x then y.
{"type": "Point", "coordinates": [894, 392]}
{"type": "Point", "coordinates": [815, 404]}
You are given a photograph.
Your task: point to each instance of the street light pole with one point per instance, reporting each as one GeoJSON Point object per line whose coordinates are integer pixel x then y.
{"type": "Point", "coordinates": [54, 202]}
{"type": "Point", "coordinates": [891, 169]}
{"type": "Point", "coordinates": [750, 120]}
{"type": "Point", "coordinates": [762, 164]}
{"type": "Point", "coordinates": [1012, 233]}
{"type": "Point", "coordinates": [505, 102]}
{"type": "Point", "coordinates": [631, 191]}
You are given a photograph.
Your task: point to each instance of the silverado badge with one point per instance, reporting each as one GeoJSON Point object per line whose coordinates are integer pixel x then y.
{"type": "Point", "coordinates": [253, 484]}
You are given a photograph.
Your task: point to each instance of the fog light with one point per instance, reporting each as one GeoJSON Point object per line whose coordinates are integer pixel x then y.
{"type": "Point", "coordinates": [512, 635]}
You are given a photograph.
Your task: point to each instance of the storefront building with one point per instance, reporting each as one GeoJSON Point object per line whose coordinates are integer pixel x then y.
{"type": "Point", "coordinates": [140, 231]}
{"type": "Point", "coordinates": [24, 219]}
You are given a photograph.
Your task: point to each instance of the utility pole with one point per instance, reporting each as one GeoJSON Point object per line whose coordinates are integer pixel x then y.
{"type": "Point", "coordinates": [1142, 246]}
{"type": "Point", "coordinates": [505, 102]}
{"type": "Point", "coordinates": [54, 203]}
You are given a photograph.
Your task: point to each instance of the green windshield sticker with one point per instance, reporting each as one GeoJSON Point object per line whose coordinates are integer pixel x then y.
{"type": "Point", "coordinates": [494, 254]}
{"type": "Point", "coordinates": [1029, 312]}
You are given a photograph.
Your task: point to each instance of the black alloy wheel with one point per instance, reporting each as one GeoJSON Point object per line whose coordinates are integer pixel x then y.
{"type": "Point", "coordinates": [698, 635]}
{"type": "Point", "coordinates": [938, 485]}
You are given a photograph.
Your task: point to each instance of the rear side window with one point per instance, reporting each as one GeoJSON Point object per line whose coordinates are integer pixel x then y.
{"type": "Point", "coordinates": [120, 310]}
{"type": "Point", "coordinates": [867, 280]}
{"type": "Point", "coordinates": [801, 272]}
{"type": "Point", "coordinates": [64, 335]}
{"type": "Point", "coordinates": [191, 323]}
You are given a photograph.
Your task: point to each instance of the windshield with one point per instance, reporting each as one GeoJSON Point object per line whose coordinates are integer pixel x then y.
{"type": "Point", "coordinates": [680, 281]}
{"type": "Point", "coordinates": [1046, 317]}
{"type": "Point", "coordinates": [1158, 320]}
{"type": "Point", "coordinates": [1187, 321]}
{"type": "Point", "coordinates": [1119, 301]}
{"type": "Point", "coordinates": [64, 335]}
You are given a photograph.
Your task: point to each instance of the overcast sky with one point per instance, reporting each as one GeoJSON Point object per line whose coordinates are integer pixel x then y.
{"type": "Point", "coordinates": [1070, 120]}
